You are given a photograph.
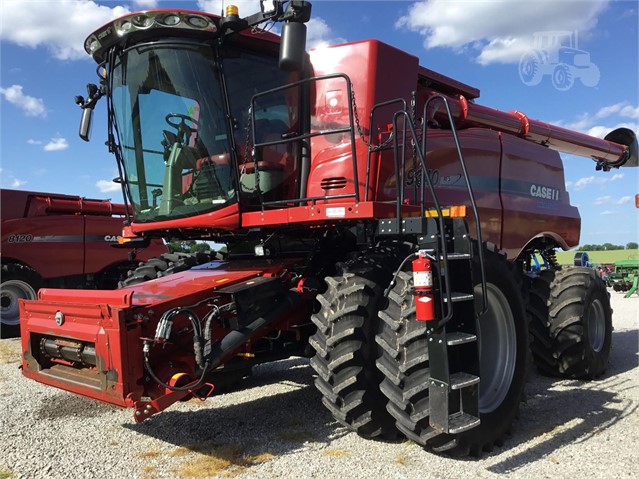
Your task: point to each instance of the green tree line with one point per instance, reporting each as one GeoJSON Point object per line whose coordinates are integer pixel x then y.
{"type": "Point", "coordinates": [607, 247]}
{"type": "Point", "coordinates": [188, 247]}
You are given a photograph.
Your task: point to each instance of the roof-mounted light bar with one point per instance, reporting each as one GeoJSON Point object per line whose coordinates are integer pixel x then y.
{"type": "Point", "coordinates": [99, 41]}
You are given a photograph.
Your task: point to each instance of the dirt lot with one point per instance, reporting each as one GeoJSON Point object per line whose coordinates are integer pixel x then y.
{"type": "Point", "coordinates": [276, 427]}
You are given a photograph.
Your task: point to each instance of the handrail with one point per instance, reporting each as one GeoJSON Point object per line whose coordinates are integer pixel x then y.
{"type": "Point", "coordinates": [303, 136]}
{"type": "Point", "coordinates": [469, 188]}
{"type": "Point", "coordinates": [372, 147]}
{"type": "Point", "coordinates": [440, 217]}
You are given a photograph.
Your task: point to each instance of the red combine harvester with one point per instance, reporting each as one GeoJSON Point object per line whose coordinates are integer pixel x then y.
{"type": "Point", "coordinates": [377, 219]}
{"type": "Point", "coordinates": [63, 241]}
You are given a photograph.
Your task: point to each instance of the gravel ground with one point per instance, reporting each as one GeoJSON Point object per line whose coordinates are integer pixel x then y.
{"type": "Point", "coordinates": [276, 427]}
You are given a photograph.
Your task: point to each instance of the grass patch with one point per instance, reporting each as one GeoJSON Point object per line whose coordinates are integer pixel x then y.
{"type": "Point", "coordinates": [600, 257]}
{"type": "Point", "coordinates": [401, 459]}
{"type": "Point", "coordinates": [210, 459]}
{"type": "Point", "coordinates": [149, 454]}
{"type": "Point", "coordinates": [9, 351]}
{"type": "Point", "coordinates": [148, 472]}
{"type": "Point", "coordinates": [5, 474]}
{"type": "Point", "coordinates": [336, 452]}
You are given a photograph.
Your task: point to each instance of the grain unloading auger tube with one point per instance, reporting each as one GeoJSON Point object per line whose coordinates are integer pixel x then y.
{"type": "Point", "coordinates": [618, 148]}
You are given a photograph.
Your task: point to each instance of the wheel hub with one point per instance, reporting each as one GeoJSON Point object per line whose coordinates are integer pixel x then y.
{"type": "Point", "coordinates": [13, 290]}
{"type": "Point", "coordinates": [596, 320]}
{"type": "Point", "coordinates": [497, 350]}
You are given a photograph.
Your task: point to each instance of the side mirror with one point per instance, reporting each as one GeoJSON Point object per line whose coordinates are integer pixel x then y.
{"type": "Point", "coordinates": [85, 124]}
{"type": "Point", "coordinates": [293, 46]}
{"type": "Point", "coordinates": [94, 94]}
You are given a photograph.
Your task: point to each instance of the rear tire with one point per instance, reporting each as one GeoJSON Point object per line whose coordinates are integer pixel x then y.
{"type": "Point", "coordinates": [164, 265]}
{"type": "Point", "coordinates": [504, 359]}
{"type": "Point", "coordinates": [345, 343]}
{"type": "Point", "coordinates": [18, 282]}
{"type": "Point", "coordinates": [572, 323]}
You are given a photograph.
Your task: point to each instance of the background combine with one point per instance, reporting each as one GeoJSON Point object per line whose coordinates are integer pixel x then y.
{"type": "Point", "coordinates": [53, 240]}
{"type": "Point", "coordinates": [377, 219]}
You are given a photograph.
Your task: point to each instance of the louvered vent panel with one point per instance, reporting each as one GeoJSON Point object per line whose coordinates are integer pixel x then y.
{"type": "Point", "coordinates": [333, 183]}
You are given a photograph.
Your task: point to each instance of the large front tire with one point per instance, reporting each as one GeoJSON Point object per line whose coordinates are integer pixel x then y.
{"type": "Point", "coordinates": [345, 343]}
{"type": "Point", "coordinates": [504, 360]}
{"type": "Point", "coordinates": [572, 323]}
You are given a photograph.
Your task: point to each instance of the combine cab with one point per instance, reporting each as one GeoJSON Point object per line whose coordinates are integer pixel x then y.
{"type": "Point", "coordinates": [381, 223]}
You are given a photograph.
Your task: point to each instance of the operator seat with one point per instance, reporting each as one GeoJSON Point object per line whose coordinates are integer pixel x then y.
{"type": "Point", "coordinates": [271, 160]}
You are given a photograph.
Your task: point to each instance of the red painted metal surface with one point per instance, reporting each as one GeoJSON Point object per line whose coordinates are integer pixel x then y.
{"type": "Point", "coordinates": [63, 235]}
{"type": "Point", "coordinates": [517, 181]}
{"type": "Point", "coordinates": [227, 219]}
{"type": "Point", "coordinates": [115, 324]}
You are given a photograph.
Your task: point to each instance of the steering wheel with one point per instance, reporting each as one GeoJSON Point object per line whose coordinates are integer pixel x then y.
{"type": "Point", "coordinates": [181, 126]}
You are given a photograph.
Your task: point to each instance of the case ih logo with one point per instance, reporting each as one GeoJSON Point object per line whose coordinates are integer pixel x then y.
{"type": "Point", "coordinates": [556, 53]}
{"type": "Point", "coordinates": [544, 192]}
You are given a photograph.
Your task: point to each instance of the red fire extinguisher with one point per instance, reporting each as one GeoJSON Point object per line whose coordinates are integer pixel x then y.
{"type": "Point", "coordinates": [423, 288]}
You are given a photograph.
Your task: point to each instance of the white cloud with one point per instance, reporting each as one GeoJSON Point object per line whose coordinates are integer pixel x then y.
{"type": "Point", "coordinates": [590, 123]}
{"type": "Point", "coordinates": [108, 186]}
{"type": "Point", "coordinates": [7, 180]}
{"type": "Point", "coordinates": [607, 212]}
{"type": "Point", "coordinates": [59, 25]}
{"type": "Point", "coordinates": [144, 4]}
{"type": "Point", "coordinates": [624, 199]}
{"type": "Point", "coordinates": [606, 111]}
{"type": "Point", "coordinates": [602, 200]}
{"type": "Point", "coordinates": [582, 183]}
{"type": "Point", "coordinates": [320, 34]}
{"type": "Point", "coordinates": [31, 141]}
{"type": "Point", "coordinates": [56, 144]}
{"type": "Point", "coordinates": [600, 131]}
{"type": "Point", "coordinates": [629, 111]}
{"type": "Point", "coordinates": [498, 31]}
{"type": "Point", "coordinates": [30, 105]}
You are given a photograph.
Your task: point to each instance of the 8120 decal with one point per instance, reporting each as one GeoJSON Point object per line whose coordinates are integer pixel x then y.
{"type": "Point", "coordinates": [20, 238]}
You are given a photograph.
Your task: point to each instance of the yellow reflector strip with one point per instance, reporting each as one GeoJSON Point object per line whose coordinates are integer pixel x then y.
{"type": "Point", "coordinates": [458, 211]}
{"type": "Point", "coordinates": [223, 280]}
{"type": "Point", "coordinates": [453, 212]}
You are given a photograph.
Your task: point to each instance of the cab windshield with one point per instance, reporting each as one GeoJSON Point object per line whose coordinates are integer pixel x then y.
{"type": "Point", "coordinates": [173, 136]}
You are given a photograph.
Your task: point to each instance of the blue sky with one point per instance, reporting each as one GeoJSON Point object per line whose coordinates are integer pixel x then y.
{"type": "Point", "coordinates": [43, 66]}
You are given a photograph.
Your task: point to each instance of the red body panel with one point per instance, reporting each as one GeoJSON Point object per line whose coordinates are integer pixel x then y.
{"type": "Point", "coordinates": [63, 235]}
{"type": "Point", "coordinates": [511, 216]}
{"type": "Point", "coordinates": [116, 322]}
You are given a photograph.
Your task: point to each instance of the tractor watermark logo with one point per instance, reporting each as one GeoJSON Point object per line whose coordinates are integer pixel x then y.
{"type": "Point", "coordinates": [556, 53]}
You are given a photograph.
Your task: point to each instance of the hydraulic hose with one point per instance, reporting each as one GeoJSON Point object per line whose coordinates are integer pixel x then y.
{"type": "Point", "coordinates": [215, 353]}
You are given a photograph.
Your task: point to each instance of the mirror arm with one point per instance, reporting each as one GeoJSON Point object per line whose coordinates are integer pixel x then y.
{"type": "Point", "coordinates": [94, 93]}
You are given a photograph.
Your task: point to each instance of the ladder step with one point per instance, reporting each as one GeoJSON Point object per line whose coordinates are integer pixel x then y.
{"type": "Point", "coordinates": [462, 380]}
{"type": "Point", "coordinates": [457, 338]}
{"type": "Point", "coordinates": [458, 297]}
{"type": "Point", "coordinates": [461, 422]}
